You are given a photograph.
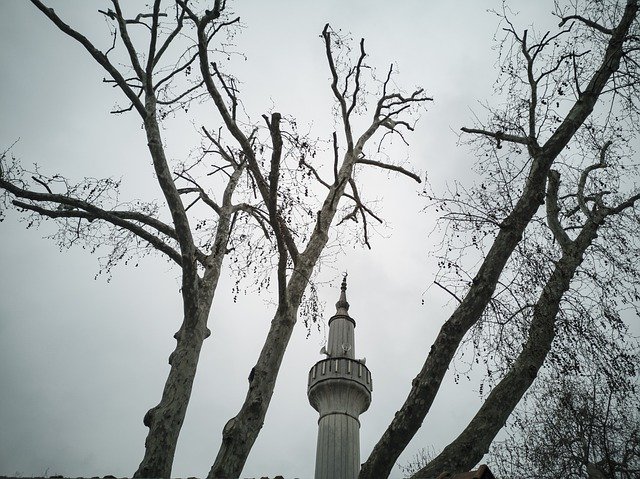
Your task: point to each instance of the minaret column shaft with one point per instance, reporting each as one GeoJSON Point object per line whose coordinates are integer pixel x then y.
{"type": "Point", "coordinates": [338, 450]}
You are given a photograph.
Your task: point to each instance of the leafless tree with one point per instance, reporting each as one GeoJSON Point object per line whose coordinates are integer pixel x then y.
{"type": "Point", "coordinates": [91, 212]}
{"type": "Point", "coordinates": [561, 88]}
{"type": "Point", "coordinates": [249, 177]}
{"type": "Point", "coordinates": [572, 427]}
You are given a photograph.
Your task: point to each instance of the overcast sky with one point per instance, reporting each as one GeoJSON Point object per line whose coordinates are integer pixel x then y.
{"type": "Point", "coordinates": [83, 359]}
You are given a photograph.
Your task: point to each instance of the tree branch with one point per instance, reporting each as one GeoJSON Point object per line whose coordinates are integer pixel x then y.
{"type": "Point", "coordinates": [126, 39]}
{"type": "Point", "coordinates": [152, 43]}
{"type": "Point", "coordinates": [96, 54]}
{"type": "Point", "coordinates": [91, 213]}
{"type": "Point", "coordinates": [586, 21]}
{"type": "Point", "coordinates": [499, 136]}
{"type": "Point", "coordinates": [326, 35]}
{"type": "Point", "coordinates": [448, 291]}
{"type": "Point", "coordinates": [387, 166]}
{"type": "Point", "coordinates": [425, 386]}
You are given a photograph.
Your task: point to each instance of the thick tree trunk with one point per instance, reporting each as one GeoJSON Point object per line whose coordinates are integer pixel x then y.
{"type": "Point", "coordinates": [473, 443]}
{"type": "Point", "coordinates": [165, 420]}
{"type": "Point", "coordinates": [240, 432]}
{"type": "Point", "coordinates": [425, 386]}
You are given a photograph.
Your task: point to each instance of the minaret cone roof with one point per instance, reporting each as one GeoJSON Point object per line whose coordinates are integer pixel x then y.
{"type": "Point", "coordinates": [342, 306]}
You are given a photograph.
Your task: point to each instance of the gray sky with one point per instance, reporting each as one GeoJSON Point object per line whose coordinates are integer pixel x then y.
{"type": "Point", "coordinates": [82, 360]}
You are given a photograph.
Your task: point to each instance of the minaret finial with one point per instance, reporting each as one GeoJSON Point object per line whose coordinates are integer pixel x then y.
{"type": "Point", "coordinates": [342, 306]}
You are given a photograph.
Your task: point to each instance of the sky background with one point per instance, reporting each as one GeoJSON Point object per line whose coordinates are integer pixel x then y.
{"type": "Point", "coordinates": [83, 359]}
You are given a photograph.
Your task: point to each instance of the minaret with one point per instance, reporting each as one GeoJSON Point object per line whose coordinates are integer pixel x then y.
{"type": "Point", "coordinates": [340, 390]}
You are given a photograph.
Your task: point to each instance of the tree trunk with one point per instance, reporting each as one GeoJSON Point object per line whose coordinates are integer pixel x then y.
{"type": "Point", "coordinates": [240, 432]}
{"type": "Point", "coordinates": [425, 386]}
{"type": "Point", "coordinates": [165, 420]}
{"type": "Point", "coordinates": [473, 443]}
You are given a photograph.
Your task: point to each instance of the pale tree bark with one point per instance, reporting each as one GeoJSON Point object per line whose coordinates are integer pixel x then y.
{"type": "Point", "coordinates": [426, 384]}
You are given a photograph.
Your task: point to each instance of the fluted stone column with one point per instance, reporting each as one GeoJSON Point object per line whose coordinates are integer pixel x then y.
{"type": "Point", "coordinates": [340, 390]}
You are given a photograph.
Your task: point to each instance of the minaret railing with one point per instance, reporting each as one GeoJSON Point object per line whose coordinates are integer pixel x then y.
{"type": "Point", "coordinates": [340, 368]}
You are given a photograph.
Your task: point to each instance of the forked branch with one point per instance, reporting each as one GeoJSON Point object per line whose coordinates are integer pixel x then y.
{"type": "Point", "coordinates": [585, 175]}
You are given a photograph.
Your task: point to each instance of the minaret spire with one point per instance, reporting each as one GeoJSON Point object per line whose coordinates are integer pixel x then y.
{"type": "Point", "coordinates": [342, 306]}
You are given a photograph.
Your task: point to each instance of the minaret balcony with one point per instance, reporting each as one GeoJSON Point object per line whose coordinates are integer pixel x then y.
{"type": "Point", "coordinates": [340, 368]}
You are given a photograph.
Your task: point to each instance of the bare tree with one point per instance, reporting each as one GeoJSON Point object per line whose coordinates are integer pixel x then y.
{"type": "Point", "coordinates": [572, 427]}
{"type": "Point", "coordinates": [573, 324]}
{"type": "Point", "coordinates": [271, 158]}
{"type": "Point", "coordinates": [89, 211]}
{"type": "Point", "coordinates": [541, 122]}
